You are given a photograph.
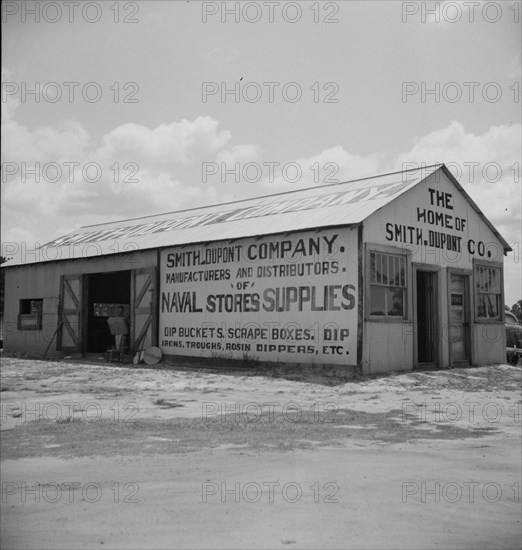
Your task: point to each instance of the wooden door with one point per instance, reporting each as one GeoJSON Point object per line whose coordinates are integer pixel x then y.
{"type": "Point", "coordinates": [71, 314]}
{"type": "Point", "coordinates": [459, 333]}
{"type": "Point", "coordinates": [143, 308]}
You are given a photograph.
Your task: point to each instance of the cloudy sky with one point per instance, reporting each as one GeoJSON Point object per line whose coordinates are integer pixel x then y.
{"type": "Point", "coordinates": [114, 110]}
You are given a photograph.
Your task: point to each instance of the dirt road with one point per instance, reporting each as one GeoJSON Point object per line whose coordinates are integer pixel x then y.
{"type": "Point", "coordinates": [121, 457]}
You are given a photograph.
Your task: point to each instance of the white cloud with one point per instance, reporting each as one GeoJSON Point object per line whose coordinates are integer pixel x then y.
{"type": "Point", "coordinates": [239, 153]}
{"type": "Point", "coordinates": [178, 142]}
{"type": "Point", "coordinates": [41, 189]}
{"type": "Point", "coordinates": [487, 166]}
{"type": "Point", "coordinates": [333, 165]}
{"type": "Point", "coordinates": [66, 140]}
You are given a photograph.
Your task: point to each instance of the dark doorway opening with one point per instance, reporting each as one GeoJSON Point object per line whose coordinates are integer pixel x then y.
{"type": "Point", "coordinates": [426, 317]}
{"type": "Point", "coordinates": [105, 292]}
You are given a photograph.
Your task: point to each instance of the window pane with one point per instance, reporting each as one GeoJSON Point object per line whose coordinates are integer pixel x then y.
{"type": "Point", "coordinates": [397, 271]}
{"type": "Point", "coordinates": [488, 306]}
{"type": "Point", "coordinates": [492, 305]}
{"type": "Point", "coordinates": [372, 268]}
{"type": "Point", "coordinates": [481, 305]}
{"type": "Point", "coordinates": [378, 269]}
{"type": "Point", "coordinates": [377, 300]}
{"type": "Point", "coordinates": [384, 267]}
{"type": "Point", "coordinates": [483, 280]}
{"type": "Point", "coordinates": [395, 301]}
{"type": "Point", "coordinates": [495, 279]}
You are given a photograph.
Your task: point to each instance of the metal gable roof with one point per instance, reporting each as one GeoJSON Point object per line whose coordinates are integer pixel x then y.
{"type": "Point", "coordinates": [328, 205]}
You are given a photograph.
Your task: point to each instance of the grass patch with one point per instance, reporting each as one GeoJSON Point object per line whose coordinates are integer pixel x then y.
{"type": "Point", "coordinates": [166, 404]}
{"type": "Point", "coordinates": [265, 432]}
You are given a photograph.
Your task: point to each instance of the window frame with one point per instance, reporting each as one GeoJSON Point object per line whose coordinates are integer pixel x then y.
{"type": "Point", "coordinates": [389, 250]}
{"type": "Point", "coordinates": [478, 263]}
{"type": "Point", "coordinates": [29, 321]}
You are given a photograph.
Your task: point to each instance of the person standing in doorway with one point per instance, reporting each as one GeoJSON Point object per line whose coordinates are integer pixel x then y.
{"type": "Point", "coordinates": [119, 329]}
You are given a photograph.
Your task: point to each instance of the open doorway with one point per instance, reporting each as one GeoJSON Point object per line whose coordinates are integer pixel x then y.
{"type": "Point", "coordinates": [105, 292]}
{"type": "Point", "coordinates": [427, 328]}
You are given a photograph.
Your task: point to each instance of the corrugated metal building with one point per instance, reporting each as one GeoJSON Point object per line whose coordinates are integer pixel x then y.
{"type": "Point", "coordinates": [378, 274]}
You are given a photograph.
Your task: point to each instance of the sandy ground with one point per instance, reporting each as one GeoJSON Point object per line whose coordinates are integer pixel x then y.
{"type": "Point", "coordinates": [420, 460]}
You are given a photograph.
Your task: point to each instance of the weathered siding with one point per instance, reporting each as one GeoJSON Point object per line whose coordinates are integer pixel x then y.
{"type": "Point", "coordinates": [470, 241]}
{"type": "Point", "coordinates": [289, 298]}
{"type": "Point", "coordinates": [387, 348]}
{"type": "Point", "coordinates": [42, 281]}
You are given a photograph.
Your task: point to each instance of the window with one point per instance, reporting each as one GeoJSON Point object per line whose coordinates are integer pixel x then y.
{"type": "Point", "coordinates": [30, 317]}
{"type": "Point", "coordinates": [387, 284]}
{"type": "Point", "coordinates": [487, 292]}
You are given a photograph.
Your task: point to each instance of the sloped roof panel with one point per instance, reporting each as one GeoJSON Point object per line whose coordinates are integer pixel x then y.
{"type": "Point", "coordinates": [329, 205]}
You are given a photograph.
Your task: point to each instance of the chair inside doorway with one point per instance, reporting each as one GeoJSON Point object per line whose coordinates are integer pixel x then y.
{"type": "Point", "coordinates": [119, 327]}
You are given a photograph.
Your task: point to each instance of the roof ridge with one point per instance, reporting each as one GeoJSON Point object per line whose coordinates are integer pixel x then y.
{"type": "Point", "coordinates": [259, 197]}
